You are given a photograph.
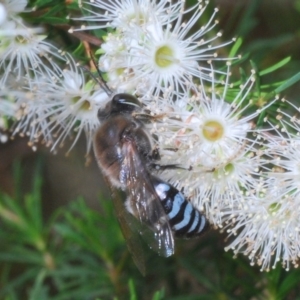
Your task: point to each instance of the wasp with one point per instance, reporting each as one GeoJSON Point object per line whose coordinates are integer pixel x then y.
{"type": "Point", "coordinates": [124, 153]}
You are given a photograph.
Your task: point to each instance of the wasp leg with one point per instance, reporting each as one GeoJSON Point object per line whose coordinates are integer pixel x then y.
{"type": "Point", "coordinates": [166, 167]}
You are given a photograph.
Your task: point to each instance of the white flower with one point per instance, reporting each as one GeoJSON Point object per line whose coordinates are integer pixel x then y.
{"type": "Point", "coordinates": [70, 105]}
{"type": "Point", "coordinates": [9, 10]}
{"type": "Point", "coordinates": [54, 107]}
{"type": "Point", "coordinates": [128, 14]}
{"type": "Point", "coordinates": [162, 56]}
{"type": "Point", "coordinates": [283, 151]}
{"type": "Point", "coordinates": [23, 52]}
{"type": "Point", "coordinates": [32, 118]}
{"type": "Point", "coordinates": [14, 7]}
{"type": "Point", "coordinates": [112, 62]}
{"type": "Point", "coordinates": [266, 227]}
{"type": "Point", "coordinates": [212, 140]}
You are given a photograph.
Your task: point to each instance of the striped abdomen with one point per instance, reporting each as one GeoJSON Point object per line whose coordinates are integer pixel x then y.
{"type": "Point", "coordinates": [184, 219]}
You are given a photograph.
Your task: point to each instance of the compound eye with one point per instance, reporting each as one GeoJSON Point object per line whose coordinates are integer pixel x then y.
{"type": "Point", "coordinates": [105, 112]}
{"type": "Point", "coordinates": [125, 103]}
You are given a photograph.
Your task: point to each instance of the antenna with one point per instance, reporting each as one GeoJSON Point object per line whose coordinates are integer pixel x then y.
{"type": "Point", "coordinates": [99, 80]}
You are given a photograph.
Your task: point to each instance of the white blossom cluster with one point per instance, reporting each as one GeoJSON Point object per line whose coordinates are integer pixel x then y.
{"type": "Point", "coordinates": [48, 102]}
{"type": "Point", "coordinates": [152, 49]}
{"type": "Point", "coordinates": [243, 178]}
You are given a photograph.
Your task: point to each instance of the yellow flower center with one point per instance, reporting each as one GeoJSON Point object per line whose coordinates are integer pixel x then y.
{"type": "Point", "coordinates": [21, 40]}
{"type": "Point", "coordinates": [120, 71]}
{"type": "Point", "coordinates": [85, 105]}
{"type": "Point", "coordinates": [164, 56]}
{"type": "Point", "coordinates": [138, 19]}
{"type": "Point", "coordinates": [274, 207]}
{"type": "Point", "coordinates": [229, 168]}
{"type": "Point", "coordinates": [213, 131]}
{"type": "Point", "coordinates": [224, 171]}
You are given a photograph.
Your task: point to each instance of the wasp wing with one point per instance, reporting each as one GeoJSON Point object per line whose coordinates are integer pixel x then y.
{"type": "Point", "coordinates": [143, 201]}
{"type": "Point", "coordinates": [132, 239]}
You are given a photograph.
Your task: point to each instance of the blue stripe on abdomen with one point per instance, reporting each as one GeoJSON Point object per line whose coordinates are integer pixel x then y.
{"type": "Point", "coordinates": [177, 203]}
{"type": "Point", "coordinates": [195, 223]}
{"type": "Point", "coordinates": [203, 224]}
{"type": "Point", "coordinates": [186, 217]}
